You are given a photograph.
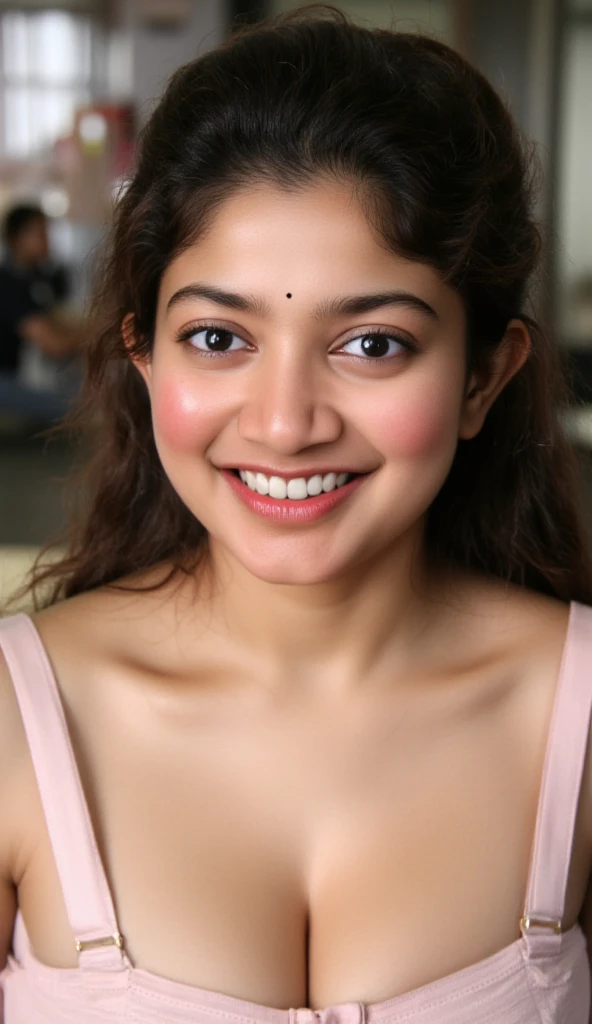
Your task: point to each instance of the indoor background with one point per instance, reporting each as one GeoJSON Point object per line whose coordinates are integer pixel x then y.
{"type": "Point", "coordinates": [79, 78]}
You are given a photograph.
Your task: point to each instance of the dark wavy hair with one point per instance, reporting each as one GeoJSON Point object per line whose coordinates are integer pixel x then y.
{"type": "Point", "coordinates": [444, 176]}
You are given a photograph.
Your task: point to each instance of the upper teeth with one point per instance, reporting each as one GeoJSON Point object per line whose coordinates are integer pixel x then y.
{"type": "Point", "coordinates": [277, 487]}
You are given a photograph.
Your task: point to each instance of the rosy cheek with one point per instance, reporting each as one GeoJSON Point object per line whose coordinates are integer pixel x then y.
{"type": "Point", "coordinates": [183, 414]}
{"type": "Point", "coordinates": [416, 424]}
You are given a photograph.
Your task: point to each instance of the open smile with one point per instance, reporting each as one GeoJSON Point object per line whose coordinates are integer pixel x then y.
{"type": "Point", "coordinates": [302, 499]}
{"type": "Point", "coordinates": [294, 488]}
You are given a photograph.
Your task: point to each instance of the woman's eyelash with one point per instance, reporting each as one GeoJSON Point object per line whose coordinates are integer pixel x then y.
{"type": "Point", "coordinates": [185, 336]}
{"type": "Point", "coordinates": [405, 342]}
{"type": "Point", "coordinates": [383, 332]}
{"type": "Point", "coordinates": [189, 332]}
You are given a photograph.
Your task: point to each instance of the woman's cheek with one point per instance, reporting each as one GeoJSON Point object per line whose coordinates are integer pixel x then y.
{"type": "Point", "coordinates": [419, 424]}
{"type": "Point", "coordinates": [184, 415]}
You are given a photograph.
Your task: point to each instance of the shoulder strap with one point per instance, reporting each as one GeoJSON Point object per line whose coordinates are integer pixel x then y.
{"type": "Point", "coordinates": [82, 877]}
{"type": "Point", "coordinates": [560, 788]}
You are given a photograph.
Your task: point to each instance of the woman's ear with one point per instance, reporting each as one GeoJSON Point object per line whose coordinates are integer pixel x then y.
{"type": "Point", "coordinates": [484, 387]}
{"type": "Point", "coordinates": [143, 364]}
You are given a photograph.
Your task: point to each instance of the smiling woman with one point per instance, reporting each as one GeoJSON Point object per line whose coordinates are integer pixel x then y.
{"type": "Point", "coordinates": [303, 729]}
{"type": "Point", "coordinates": [403, 178]}
{"type": "Point", "coordinates": [354, 380]}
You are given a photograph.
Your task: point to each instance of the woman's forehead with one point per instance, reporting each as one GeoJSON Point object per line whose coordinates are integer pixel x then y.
{"type": "Point", "coordinates": [318, 240]}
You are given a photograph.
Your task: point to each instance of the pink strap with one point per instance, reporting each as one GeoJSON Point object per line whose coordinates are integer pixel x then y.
{"type": "Point", "coordinates": [84, 885]}
{"type": "Point", "coordinates": [561, 783]}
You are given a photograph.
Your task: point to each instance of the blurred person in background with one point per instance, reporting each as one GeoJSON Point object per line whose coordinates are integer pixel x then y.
{"type": "Point", "coordinates": [38, 338]}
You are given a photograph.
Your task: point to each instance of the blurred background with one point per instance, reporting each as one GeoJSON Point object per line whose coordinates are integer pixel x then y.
{"type": "Point", "coordinates": [78, 78]}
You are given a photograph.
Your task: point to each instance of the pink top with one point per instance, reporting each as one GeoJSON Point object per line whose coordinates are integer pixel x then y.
{"type": "Point", "coordinates": [543, 977]}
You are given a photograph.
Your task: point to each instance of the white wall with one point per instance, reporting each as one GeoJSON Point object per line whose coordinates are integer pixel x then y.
{"type": "Point", "coordinates": [141, 58]}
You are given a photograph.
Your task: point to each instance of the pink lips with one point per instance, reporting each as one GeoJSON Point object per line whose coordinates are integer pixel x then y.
{"type": "Point", "coordinates": [289, 511]}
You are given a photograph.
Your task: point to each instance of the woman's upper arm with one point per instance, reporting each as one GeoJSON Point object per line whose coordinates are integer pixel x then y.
{"type": "Point", "coordinates": [12, 748]}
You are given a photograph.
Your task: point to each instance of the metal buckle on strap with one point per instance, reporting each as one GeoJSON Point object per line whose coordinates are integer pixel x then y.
{"type": "Point", "coordinates": [108, 940]}
{"type": "Point", "coordinates": [526, 923]}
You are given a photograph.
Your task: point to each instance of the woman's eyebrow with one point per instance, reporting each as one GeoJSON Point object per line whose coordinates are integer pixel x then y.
{"type": "Point", "coordinates": [327, 308]}
{"type": "Point", "coordinates": [232, 300]}
{"type": "Point", "coordinates": [353, 304]}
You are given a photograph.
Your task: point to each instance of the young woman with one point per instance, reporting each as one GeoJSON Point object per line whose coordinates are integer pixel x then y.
{"type": "Point", "coordinates": [302, 732]}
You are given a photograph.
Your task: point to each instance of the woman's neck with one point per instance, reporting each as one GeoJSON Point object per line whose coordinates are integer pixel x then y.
{"type": "Point", "coordinates": [332, 634]}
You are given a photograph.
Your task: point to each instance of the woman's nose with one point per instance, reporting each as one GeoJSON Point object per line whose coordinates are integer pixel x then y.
{"type": "Point", "coordinates": [285, 409]}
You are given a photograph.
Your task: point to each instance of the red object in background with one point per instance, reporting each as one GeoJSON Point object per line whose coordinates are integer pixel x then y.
{"type": "Point", "coordinates": [95, 158]}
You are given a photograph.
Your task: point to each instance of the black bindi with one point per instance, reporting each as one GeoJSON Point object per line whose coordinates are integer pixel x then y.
{"type": "Point", "coordinates": [288, 295]}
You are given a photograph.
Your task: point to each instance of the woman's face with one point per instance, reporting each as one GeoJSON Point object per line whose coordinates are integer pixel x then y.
{"type": "Point", "coordinates": [290, 343]}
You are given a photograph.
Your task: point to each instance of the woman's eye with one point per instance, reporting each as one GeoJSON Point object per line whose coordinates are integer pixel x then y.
{"type": "Point", "coordinates": [374, 346]}
{"type": "Point", "coordinates": [215, 339]}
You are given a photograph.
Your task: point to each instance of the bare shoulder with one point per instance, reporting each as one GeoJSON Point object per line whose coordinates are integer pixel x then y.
{"type": "Point", "coordinates": [532, 631]}
{"type": "Point", "coordinates": [107, 612]}
{"type": "Point", "coordinates": [510, 639]}
{"type": "Point", "coordinates": [121, 630]}
{"type": "Point", "coordinates": [499, 619]}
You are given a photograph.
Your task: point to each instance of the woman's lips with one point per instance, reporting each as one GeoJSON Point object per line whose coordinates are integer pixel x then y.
{"type": "Point", "coordinates": [288, 510]}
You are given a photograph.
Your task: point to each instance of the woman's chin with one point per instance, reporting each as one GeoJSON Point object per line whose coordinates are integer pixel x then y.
{"type": "Point", "coordinates": [289, 571]}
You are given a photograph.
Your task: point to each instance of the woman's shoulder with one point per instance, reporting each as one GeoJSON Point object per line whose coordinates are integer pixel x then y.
{"type": "Point", "coordinates": [498, 623]}
{"type": "Point", "coordinates": [134, 615]}
{"type": "Point", "coordinates": [112, 607]}
{"type": "Point", "coordinates": [510, 606]}
{"type": "Point", "coordinates": [111, 633]}
{"type": "Point", "coordinates": [114, 622]}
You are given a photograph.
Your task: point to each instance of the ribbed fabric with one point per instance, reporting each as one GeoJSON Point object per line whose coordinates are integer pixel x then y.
{"type": "Point", "coordinates": [541, 978]}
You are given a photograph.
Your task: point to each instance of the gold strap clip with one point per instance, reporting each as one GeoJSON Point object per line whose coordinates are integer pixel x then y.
{"type": "Point", "coordinates": [108, 940]}
{"type": "Point", "coordinates": [526, 923]}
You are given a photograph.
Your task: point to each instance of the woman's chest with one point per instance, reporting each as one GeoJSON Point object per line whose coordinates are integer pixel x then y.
{"type": "Point", "coordinates": [313, 859]}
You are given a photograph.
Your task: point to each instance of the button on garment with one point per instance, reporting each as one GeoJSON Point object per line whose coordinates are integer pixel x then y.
{"type": "Point", "coordinates": [342, 1013]}
{"type": "Point", "coordinates": [541, 978]}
